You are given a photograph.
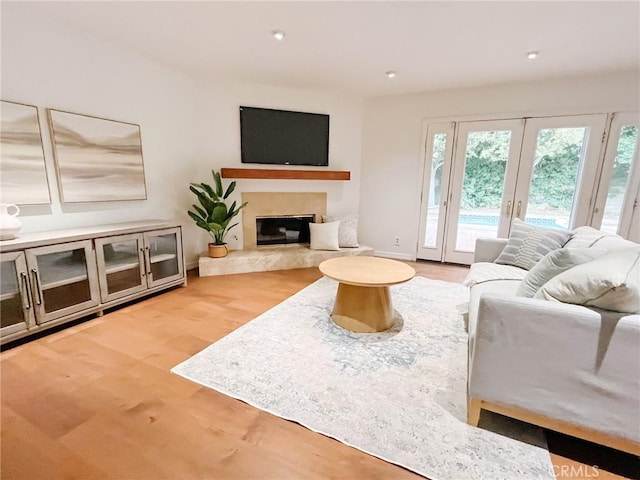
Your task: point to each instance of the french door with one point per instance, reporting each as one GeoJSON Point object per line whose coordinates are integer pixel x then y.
{"type": "Point", "coordinates": [616, 206]}
{"type": "Point", "coordinates": [541, 170]}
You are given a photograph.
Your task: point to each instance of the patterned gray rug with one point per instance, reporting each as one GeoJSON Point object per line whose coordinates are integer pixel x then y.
{"type": "Point", "coordinates": [398, 395]}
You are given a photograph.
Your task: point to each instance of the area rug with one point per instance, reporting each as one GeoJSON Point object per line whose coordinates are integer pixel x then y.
{"type": "Point", "coordinates": [399, 395]}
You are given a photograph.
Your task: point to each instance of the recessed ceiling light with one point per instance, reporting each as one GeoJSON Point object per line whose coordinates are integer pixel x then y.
{"type": "Point", "coordinates": [278, 34]}
{"type": "Point", "coordinates": [390, 74]}
{"type": "Point", "coordinates": [533, 54]}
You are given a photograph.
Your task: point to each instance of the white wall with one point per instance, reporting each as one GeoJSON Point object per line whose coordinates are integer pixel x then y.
{"type": "Point", "coordinates": [50, 65]}
{"type": "Point", "coordinates": [219, 123]}
{"type": "Point", "coordinates": [187, 127]}
{"type": "Point", "coordinates": [393, 151]}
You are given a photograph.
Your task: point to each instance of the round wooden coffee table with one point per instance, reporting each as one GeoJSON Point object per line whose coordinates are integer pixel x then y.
{"type": "Point", "coordinates": [363, 303]}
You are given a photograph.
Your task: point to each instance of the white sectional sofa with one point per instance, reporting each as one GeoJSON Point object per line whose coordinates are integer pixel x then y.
{"type": "Point", "coordinates": [567, 367]}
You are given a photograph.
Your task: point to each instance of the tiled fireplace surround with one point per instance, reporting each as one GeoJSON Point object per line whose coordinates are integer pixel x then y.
{"type": "Point", "coordinates": [275, 257]}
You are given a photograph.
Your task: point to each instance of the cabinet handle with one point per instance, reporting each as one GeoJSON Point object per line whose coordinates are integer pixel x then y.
{"type": "Point", "coordinates": [144, 259]}
{"type": "Point", "coordinates": [519, 208]}
{"type": "Point", "coordinates": [25, 287]}
{"type": "Point", "coordinates": [36, 282]}
{"type": "Point", "coordinates": [509, 208]}
{"type": "Point", "coordinates": [148, 259]}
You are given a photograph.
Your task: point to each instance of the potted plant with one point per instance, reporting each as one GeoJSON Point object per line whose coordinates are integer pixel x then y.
{"type": "Point", "coordinates": [212, 214]}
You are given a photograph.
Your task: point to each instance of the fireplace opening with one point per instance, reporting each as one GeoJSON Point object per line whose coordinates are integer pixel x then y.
{"type": "Point", "coordinates": [283, 229]}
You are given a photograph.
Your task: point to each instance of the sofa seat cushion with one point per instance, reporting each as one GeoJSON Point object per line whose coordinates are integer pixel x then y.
{"type": "Point", "coordinates": [488, 271]}
{"type": "Point", "coordinates": [610, 282]}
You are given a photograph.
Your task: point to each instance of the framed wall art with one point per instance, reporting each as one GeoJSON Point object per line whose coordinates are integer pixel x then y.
{"type": "Point", "coordinates": [97, 160]}
{"type": "Point", "coordinates": [23, 173]}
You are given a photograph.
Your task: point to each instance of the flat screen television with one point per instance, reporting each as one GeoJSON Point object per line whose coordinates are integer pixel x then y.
{"type": "Point", "coordinates": [281, 137]}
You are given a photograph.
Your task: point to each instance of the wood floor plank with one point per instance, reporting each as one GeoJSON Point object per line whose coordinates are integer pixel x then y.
{"type": "Point", "coordinates": [97, 400]}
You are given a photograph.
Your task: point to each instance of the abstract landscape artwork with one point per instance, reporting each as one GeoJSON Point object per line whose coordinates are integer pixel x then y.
{"type": "Point", "coordinates": [97, 160]}
{"type": "Point", "coordinates": [23, 174]}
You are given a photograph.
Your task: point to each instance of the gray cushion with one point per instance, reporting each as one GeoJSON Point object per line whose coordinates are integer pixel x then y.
{"type": "Point", "coordinates": [528, 244]}
{"type": "Point", "coordinates": [554, 263]}
{"type": "Point", "coordinates": [348, 231]}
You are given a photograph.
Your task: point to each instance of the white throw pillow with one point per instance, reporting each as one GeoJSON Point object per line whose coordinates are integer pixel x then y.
{"type": "Point", "coordinates": [554, 263]}
{"type": "Point", "coordinates": [348, 231]}
{"type": "Point", "coordinates": [324, 236]}
{"type": "Point", "coordinates": [610, 282]}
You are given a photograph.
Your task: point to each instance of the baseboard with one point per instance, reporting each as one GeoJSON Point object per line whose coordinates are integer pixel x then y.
{"type": "Point", "coordinates": [397, 256]}
{"type": "Point", "coordinates": [192, 265]}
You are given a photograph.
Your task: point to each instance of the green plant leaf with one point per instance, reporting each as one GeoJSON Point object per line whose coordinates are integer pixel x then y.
{"type": "Point", "coordinates": [209, 190]}
{"type": "Point", "coordinates": [230, 189]}
{"type": "Point", "coordinates": [220, 213]}
{"type": "Point", "coordinates": [200, 211]}
{"type": "Point", "coordinates": [195, 217]}
{"type": "Point", "coordinates": [218, 180]}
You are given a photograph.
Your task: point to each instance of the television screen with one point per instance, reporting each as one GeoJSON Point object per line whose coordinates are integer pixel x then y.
{"type": "Point", "coordinates": [284, 138]}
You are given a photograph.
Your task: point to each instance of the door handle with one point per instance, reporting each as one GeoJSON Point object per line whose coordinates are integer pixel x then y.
{"type": "Point", "coordinates": [508, 208]}
{"type": "Point", "coordinates": [519, 208]}
{"type": "Point", "coordinates": [26, 294]}
{"type": "Point", "coordinates": [36, 282]}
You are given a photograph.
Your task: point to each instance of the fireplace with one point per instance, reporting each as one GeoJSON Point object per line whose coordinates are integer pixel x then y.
{"type": "Point", "coordinates": [283, 229]}
{"type": "Point", "coordinates": [278, 205]}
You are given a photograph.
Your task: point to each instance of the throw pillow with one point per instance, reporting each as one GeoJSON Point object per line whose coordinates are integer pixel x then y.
{"type": "Point", "coordinates": [527, 244]}
{"type": "Point", "coordinates": [348, 231]}
{"type": "Point", "coordinates": [324, 236]}
{"type": "Point", "coordinates": [610, 282]}
{"type": "Point", "coordinates": [554, 263]}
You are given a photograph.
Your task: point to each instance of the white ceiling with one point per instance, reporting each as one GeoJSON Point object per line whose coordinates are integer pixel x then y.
{"type": "Point", "coordinates": [347, 46]}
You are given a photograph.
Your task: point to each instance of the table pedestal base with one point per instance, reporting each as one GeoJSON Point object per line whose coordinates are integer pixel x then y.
{"type": "Point", "coordinates": [363, 309]}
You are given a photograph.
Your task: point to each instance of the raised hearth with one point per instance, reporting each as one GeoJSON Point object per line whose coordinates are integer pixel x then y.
{"type": "Point", "coordinates": [265, 259]}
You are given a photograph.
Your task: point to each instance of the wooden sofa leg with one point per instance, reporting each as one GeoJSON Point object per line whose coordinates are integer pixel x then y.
{"type": "Point", "coordinates": [473, 411]}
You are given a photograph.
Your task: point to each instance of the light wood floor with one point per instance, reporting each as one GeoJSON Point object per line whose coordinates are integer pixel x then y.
{"type": "Point", "coordinates": [97, 400]}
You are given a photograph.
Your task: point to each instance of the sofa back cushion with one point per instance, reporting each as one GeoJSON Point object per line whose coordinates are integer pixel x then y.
{"type": "Point", "coordinates": [527, 244]}
{"type": "Point", "coordinates": [590, 237]}
{"type": "Point", "coordinates": [554, 263]}
{"type": "Point", "coordinates": [610, 282]}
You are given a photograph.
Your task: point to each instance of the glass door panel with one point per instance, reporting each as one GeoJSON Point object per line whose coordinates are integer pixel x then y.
{"type": "Point", "coordinates": [485, 167]}
{"type": "Point", "coordinates": [437, 168]}
{"type": "Point", "coordinates": [484, 180]}
{"type": "Point", "coordinates": [560, 153]}
{"type": "Point", "coordinates": [64, 279]}
{"type": "Point", "coordinates": [620, 179]}
{"type": "Point", "coordinates": [16, 312]}
{"type": "Point", "coordinates": [120, 266]}
{"type": "Point", "coordinates": [163, 256]}
{"type": "Point", "coordinates": [557, 170]}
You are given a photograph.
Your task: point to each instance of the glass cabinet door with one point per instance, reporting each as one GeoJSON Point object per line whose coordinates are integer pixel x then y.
{"type": "Point", "coordinates": [64, 279]}
{"type": "Point", "coordinates": [120, 266]}
{"type": "Point", "coordinates": [163, 256]}
{"type": "Point", "coordinates": [16, 307]}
